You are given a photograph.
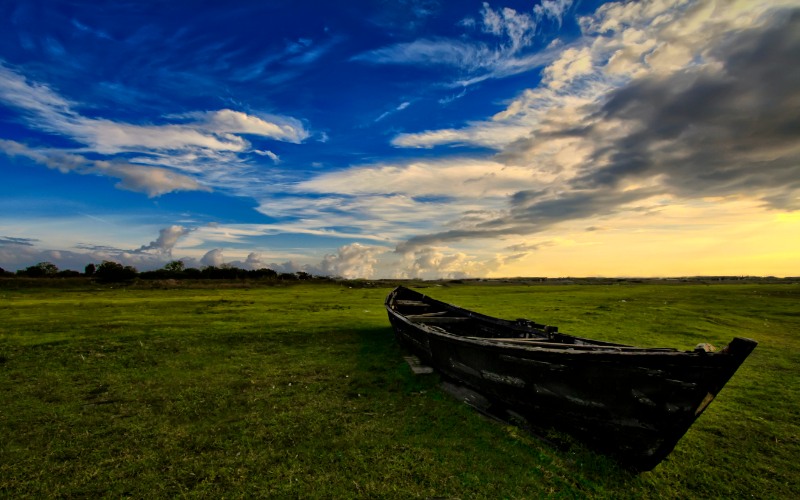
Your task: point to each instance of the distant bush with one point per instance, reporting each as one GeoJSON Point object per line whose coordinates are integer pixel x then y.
{"type": "Point", "coordinates": [110, 271]}
{"type": "Point", "coordinates": [40, 270]}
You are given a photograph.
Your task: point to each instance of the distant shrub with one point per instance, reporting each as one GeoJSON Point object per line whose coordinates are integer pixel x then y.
{"type": "Point", "coordinates": [40, 270]}
{"type": "Point", "coordinates": [110, 271]}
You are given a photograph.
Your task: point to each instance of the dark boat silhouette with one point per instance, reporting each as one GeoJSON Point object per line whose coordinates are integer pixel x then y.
{"type": "Point", "coordinates": [632, 403]}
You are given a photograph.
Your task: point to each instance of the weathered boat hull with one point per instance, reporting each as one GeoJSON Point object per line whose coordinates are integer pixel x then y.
{"type": "Point", "coordinates": [632, 403]}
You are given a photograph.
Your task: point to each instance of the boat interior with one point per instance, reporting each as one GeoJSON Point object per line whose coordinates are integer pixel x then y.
{"type": "Point", "coordinates": [440, 317]}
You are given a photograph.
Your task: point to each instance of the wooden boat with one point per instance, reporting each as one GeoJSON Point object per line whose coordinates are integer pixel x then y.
{"type": "Point", "coordinates": [628, 402]}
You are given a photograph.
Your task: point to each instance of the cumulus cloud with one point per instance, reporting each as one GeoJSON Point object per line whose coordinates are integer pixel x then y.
{"type": "Point", "coordinates": [167, 239]}
{"type": "Point", "coordinates": [254, 261]}
{"type": "Point", "coordinates": [352, 261]}
{"type": "Point", "coordinates": [259, 260]}
{"type": "Point", "coordinates": [437, 263]}
{"type": "Point", "coordinates": [213, 258]}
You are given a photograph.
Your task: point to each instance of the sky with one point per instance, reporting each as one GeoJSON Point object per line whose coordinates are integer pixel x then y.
{"type": "Point", "coordinates": [404, 138]}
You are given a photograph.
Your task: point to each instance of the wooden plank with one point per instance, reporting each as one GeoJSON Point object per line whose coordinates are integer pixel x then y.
{"type": "Point", "coordinates": [415, 303]}
{"type": "Point", "coordinates": [417, 368]}
{"type": "Point", "coordinates": [430, 314]}
{"type": "Point", "coordinates": [435, 319]}
{"type": "Point", "coordinates": [578, 347]}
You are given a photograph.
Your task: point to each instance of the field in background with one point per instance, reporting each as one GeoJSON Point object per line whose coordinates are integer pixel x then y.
{"type": "Point", "coordinates": [301, 391]}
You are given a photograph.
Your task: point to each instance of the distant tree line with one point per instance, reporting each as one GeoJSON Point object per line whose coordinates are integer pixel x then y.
{"type": "Point", "coordinates": [109, 271]}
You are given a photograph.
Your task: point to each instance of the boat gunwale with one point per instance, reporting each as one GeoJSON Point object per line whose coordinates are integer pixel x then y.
{"type": "Point", "coordinates": [592, 347]}
{"type": "Point", "coordinates": [531, 345]}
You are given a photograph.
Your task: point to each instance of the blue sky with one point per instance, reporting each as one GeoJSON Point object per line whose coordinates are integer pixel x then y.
{"type": "Point", "coordinates": [403, 139]}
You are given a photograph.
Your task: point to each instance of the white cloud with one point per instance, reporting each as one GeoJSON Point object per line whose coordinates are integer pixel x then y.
{"type": "Point", "coordinates": [430, 52]}
{"type": "Point", "coordinates": [213, 258]}
{"type": "Point", "coordinates": [153, 181]}
{"type": "Point", "coordinates": [227, 121]}
{"type": "Point", "coordinates": [352, 261]}
{"type": "Point", "coordinates": [207, 145]}
{"type": "Point", "coordinates": [150, 180]}
{"type": "Point", "coordinates": [482, 134]}
{"type": "Point", "coordinates": [272, 156]}
{"type": "Point", "coordinates": [571, 64]}
{"type": "Point", "coordinates": [401, 107]}
{"type": "Point", "coordinates": [108, 137]}
{"type": "Point", "coordinates": [213, 131]}
{"type": "Point", "coordinates": [452, 178]}
{"type": "Point", "coordinates": [438, 263]}
{"type": "Point", "coordinates": [552, 9]}
{"type": "Point", "coordinates": [519, 28]}
{"type": "Point", "coordinates": [254, 261]}
{"type": "Point", "coordinates": [379, 218]}
{"type": "Point", "coordinates": [35, 97]}
{"type": "Point", "coordinates": [167, 239]}
{"type": "Point", "coordinates": [478, 60]}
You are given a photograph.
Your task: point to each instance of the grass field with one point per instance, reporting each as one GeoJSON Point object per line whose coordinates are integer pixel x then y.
{"type": "Point", "coordinates": [301, 392]}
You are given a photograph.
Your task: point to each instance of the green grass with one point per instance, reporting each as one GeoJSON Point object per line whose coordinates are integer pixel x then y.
{"type": "Point", "coordinates": [301, 391]}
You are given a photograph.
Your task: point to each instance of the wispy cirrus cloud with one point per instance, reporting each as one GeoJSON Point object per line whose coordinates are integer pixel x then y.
{"type": "Point", "coordinates": [153, 181]}
{"type": "Point", "coordinates": [376, 218]}
{"type": "Point", "coordinates": [553, 9]}
{"type": "Point", "coordinates": [403, 105]}
{"type": "Point", "coordinates": [458, 177]}
{"type": "Point", "coordinates": [213, 139]}
{"type": "Point", "coordinates": [482, 134]}
{"type": "Point", "coordinates": [8, 240]}
{"type": "Point", "coordinates": [214, 130]}
{"type": "Point", "coordinates": [477, 60]}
